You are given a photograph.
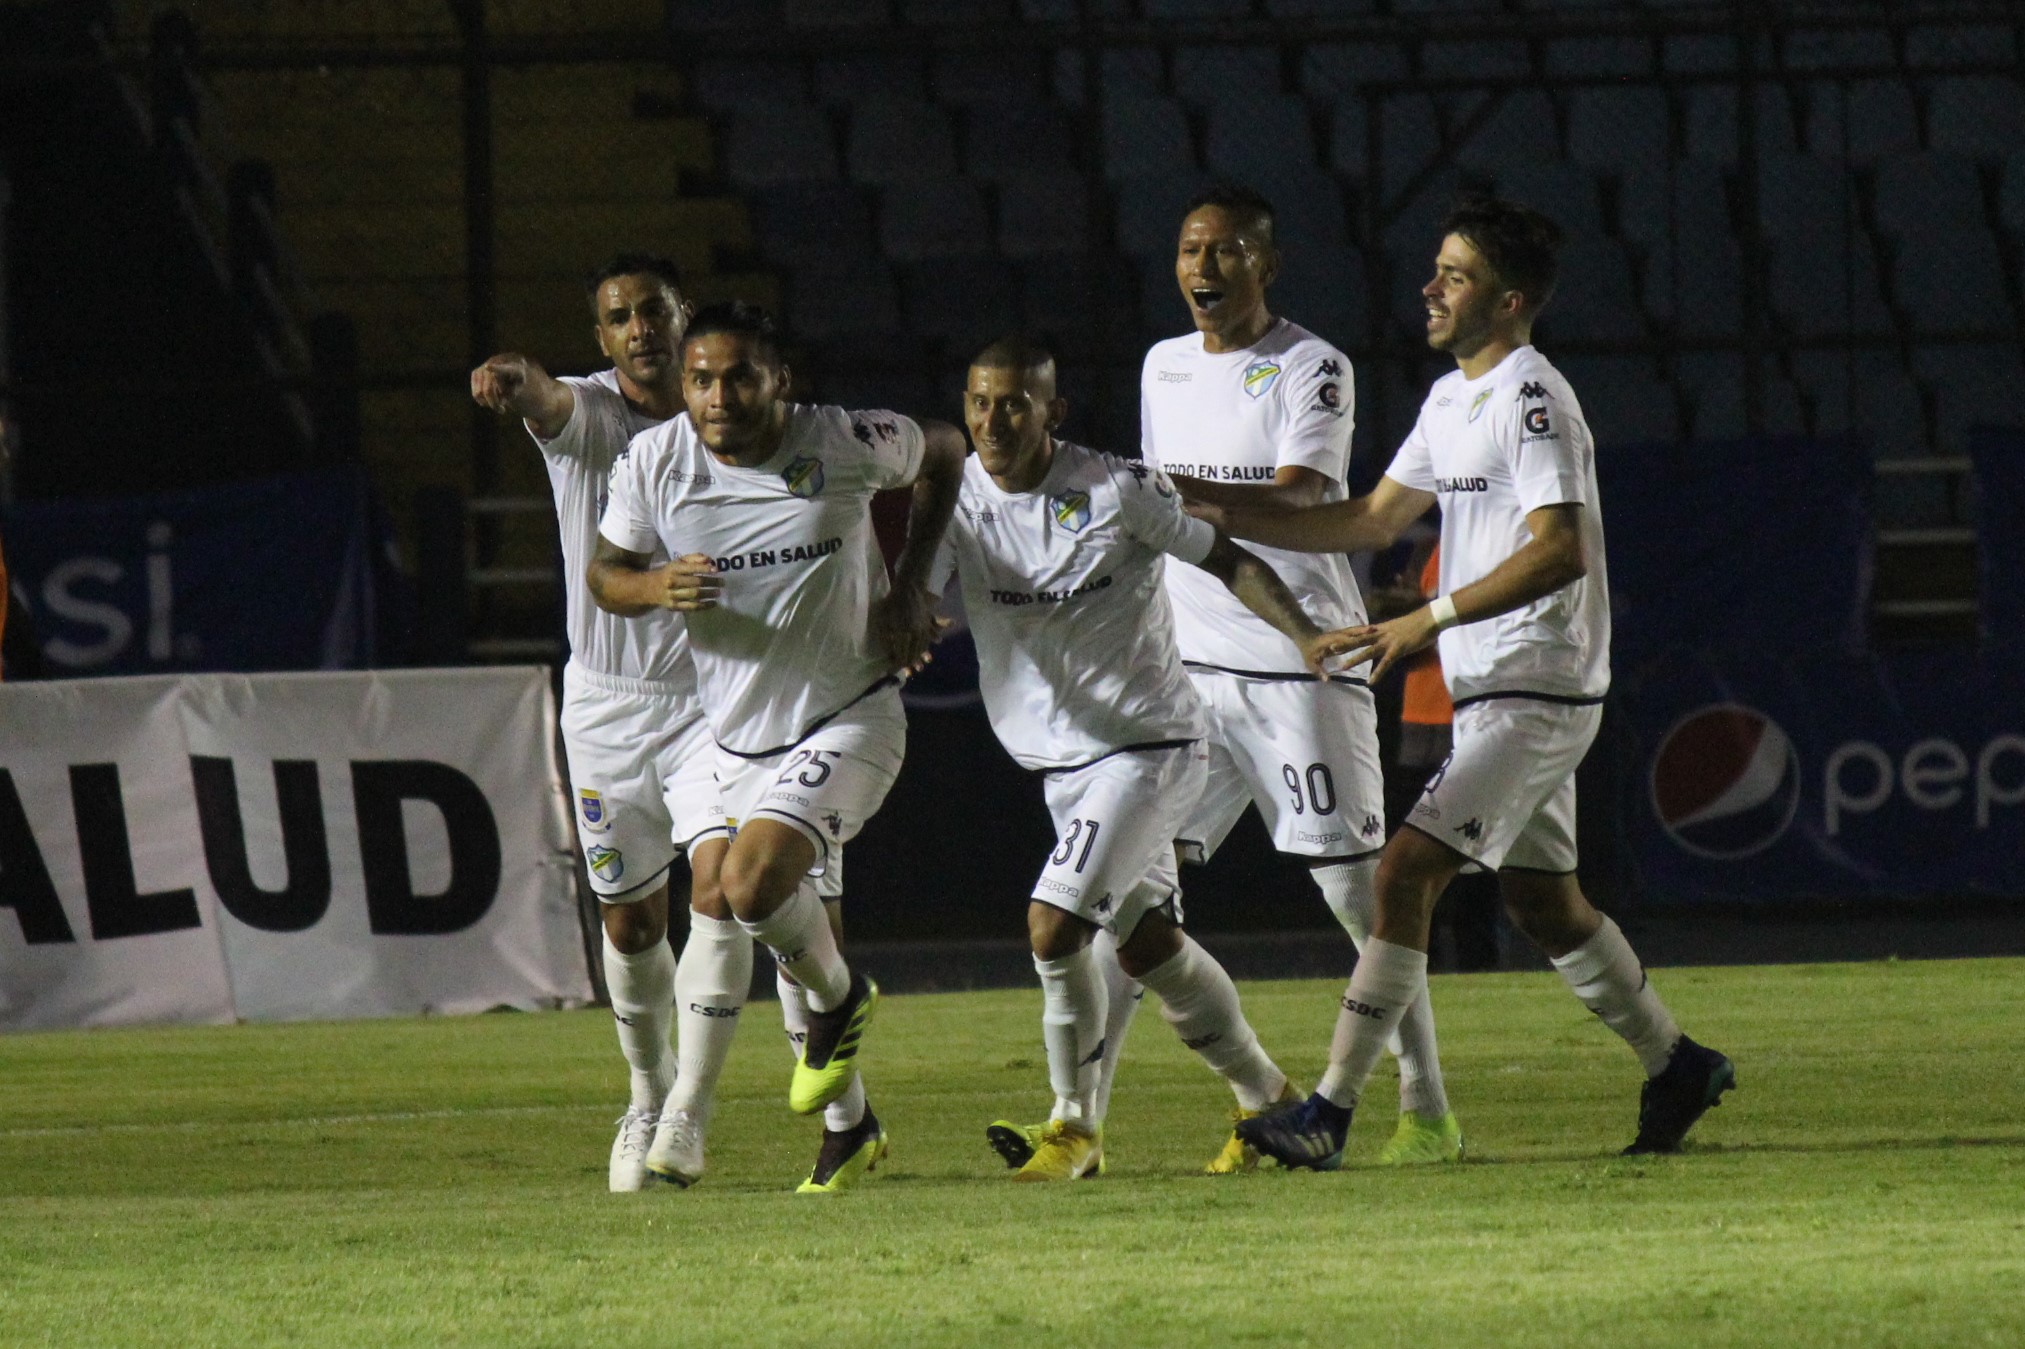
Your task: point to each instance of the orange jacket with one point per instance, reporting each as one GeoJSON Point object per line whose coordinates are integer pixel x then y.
{"type": "Point", "coordinates": [1426, 700]}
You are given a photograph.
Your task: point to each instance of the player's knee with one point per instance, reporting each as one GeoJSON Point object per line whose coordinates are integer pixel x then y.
{"type": "Point", "coordinates": [1155, 940]}
{"type": "Point", "coordinates": [1056, 933]}
{"type": "Point", "coordinates": [635, 926]}
{"type": "Point", "coordinates": [754, 883]}
{"type": "Point", "coordinates": [1551, 911]}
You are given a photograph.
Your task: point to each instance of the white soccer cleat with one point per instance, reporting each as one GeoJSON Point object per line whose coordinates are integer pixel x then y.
{"type": "Point", "coordinates": [677, 1154]}
{"type": "Point", "coordinates": [629, 1150]}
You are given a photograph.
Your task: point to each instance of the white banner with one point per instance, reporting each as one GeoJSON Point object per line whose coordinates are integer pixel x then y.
{"type": "Point", "coordinates": [279, 847]}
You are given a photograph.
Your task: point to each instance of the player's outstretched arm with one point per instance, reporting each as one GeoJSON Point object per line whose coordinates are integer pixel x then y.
{"type": "Point", "coordinates": [904, 624]}
{"type": "Point", "coordinates": [624, 583]}
{"type": "Point", "coordinates": [1332, 527]}
{"type": "Point", "coordinates": [1552, 558]}
{"type": "Point", "coordinates": [514, 385]}
{"type": "Point", "coordinates": [1260, 589]}
{"type": "Point", "coordinates": [1292, 487]}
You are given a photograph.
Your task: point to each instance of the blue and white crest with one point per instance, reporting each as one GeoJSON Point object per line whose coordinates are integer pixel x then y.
{"type": "Point", "coordinates": [591, 806]}
{"type": "Point", "coordinates": [1261, 375]}
{"type": "Point", "coordinates": [804, 477]}
{"type": "Point", "coordinates": [606, 863]}
{"type": "Point", "coordinates": [1071, 510]}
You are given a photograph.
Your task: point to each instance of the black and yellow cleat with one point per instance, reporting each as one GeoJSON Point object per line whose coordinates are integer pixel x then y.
{"type": "Point", "coordinates": [830, 1052]}
{"type": "Point", "coordinates": [847, 1156]}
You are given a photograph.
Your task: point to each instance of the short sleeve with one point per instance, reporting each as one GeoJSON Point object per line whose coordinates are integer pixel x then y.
{"type": "Point", "coordinates": [1549, 444]}
{"type": "Point", "coordinates": [1413, 465]}
{"type": "Point", "coordinates": [1148, 451]}
{"type": "Point", "coordinates": [628, 521]}
{"type": "Point", "coordinates": [1152, 513]}
{"type": "Point", "coordinates": [574, 439]}
{"type": "Point", "coordinates": [896, 443]}
{"type": "Point", "coordinates": [1320, 408]}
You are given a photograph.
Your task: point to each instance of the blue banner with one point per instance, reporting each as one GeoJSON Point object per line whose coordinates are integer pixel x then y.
{"type": "Point", "coordinates": [1855, 777]}
{"type": "Point", "coordinates": [288, 573]}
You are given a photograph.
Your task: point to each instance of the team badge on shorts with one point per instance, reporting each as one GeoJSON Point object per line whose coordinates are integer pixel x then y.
{"type": "Point", "coordinates": [804, 477]}
{"type": "Point", "coordinates": [606, 864]}
{"type": "Point", "coordinates": [591, 806]}
{"type": "Point", "coordinates": [1260, 376]}
{"type": "Point", "coordinates": [1072, 510]}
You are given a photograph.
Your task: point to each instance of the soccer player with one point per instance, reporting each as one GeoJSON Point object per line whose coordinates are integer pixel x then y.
{"type": "Point", "coordinates": [1251, 410]}
{"type": "Point", "coordinates": [796, 659]}
{"type": "Point", "coordinates": [640, 756]}
{"type": "Point", "coordinates": [1524, 625]}
{"type": "Point", "coordinates": [1058, 549]}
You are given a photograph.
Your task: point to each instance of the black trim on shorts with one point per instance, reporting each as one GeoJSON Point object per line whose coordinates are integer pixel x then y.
{"type": "Point", "coordinates": [1563, 699]}
{"type": "Point", "coordinates": [622, 896]}
{"type": "Point", "coordinates": [1112, 754]}
{"type": "Point", "coordinates": [1277, 676]}
{"type": "Point", "coordinates": [1428, 835]}
{"type": "Point", "coordinates": [1537, 871]}
{"type": "Point", "coordinates": [813, 726]}
{"type": "Point", "coordinates": [1314, 862]}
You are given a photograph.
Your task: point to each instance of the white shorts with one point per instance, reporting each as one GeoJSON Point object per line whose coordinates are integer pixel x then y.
{"type": "Point", "coordinates": [826, 785]}
{"type": "Point", "coordinates": [1305, 752]}
{"type": "Point", "coordinates": [640, 763]}
{"type": "Point", "coordinates": [1115, 823]}
{"type": "Point", "coordinates": [1505, 796]}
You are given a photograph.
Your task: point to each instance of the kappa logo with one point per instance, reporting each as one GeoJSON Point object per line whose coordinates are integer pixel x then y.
{"type": "Point", "coordinates": [804, 477]}
{"type": "Point", "coordinates": [1471, 829]}
{"type": "Point", "coordinates": [835, 824]}
{"type": "Point", "coordinates": [607, 864]}
{"type": "Point", "coordinates": [1530, 390]}
{"type": "Point", "coordinates": [1373, 827]}
{"type": "Point", "coordinates": [1725, 782]}
{"type": "Point", "coordinates": [987, 516]}
{"type": "Point", "coordinates": [1260, 376]}
{"type": "Point", "coordinates": [1103, 904]}
{"type": "Point", "coordinates": [1175, 377]}
{"type": "Point", "coordinates": [1477, 405]}
{"type": "Point", "coordinates": [1328, 370]}
{"type": "Point", "coordinates": [865, 430]}
{"type": "Point", "coordinates": [591, 806]}
{"type": "Point", "coordinates": [1071, 510]}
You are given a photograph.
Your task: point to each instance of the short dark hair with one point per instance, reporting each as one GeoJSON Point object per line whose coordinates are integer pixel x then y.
{"type": "Point", "coordinates": [1522, 245]}
{"type": "Point", "coordinates": [1248, 204]}
{"type": "Point", "coordinates": [1016, 351]}
{"type": "Point", "coordinates": [740, 318]}
{"type": "Point", "coordinates": [633, 264]}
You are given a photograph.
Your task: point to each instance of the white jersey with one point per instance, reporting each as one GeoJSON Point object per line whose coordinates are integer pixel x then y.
{"type": "Point", "coordinates": [653, 648]}
{"type": "Point", "coordinates": [1493, 449]}
{"type": "Point", "coordinates": [1075, 642]}
{"type": "Point", "coordinates": [787, 646]}
{"type": "Point", "coordinates": [1241, 416]}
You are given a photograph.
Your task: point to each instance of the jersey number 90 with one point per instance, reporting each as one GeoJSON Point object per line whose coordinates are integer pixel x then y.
{"type": "Point", "coordinates": [1315, 790]}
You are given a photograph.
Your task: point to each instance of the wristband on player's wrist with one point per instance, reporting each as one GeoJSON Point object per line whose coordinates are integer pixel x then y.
{"type": "Point", "coordinates": [1442, 608]}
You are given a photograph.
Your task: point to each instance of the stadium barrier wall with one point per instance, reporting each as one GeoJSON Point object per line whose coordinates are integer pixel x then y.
{"type": "Point", "coordinates": [211, 848]}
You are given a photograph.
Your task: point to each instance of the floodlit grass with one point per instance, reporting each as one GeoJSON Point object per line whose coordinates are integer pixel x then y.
{"type": "Point", "coordinates": [441, 1182]}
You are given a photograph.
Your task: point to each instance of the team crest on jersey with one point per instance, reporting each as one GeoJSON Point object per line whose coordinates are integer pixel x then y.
{"type": "Point", "coordinates": [1260, 376]}
{"type": "Point", "coordinates": [1072, 510]}
{"type": "Point", "coordinates": [597, 819]}
{"type": "Point", "coordinates": [1477, 406]}
{"type": "Point", "coordinates": [804, 477]}
{"type": "Point", "coordinates": [606, 863]}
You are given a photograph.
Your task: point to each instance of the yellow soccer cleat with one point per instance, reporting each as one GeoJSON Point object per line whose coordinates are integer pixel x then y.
{"type": "Point", "coordinates": [1065, 1153]}
{"type": "Point", "coordinates": [1421, 1140]}
{"type": "Point", "coordinates": [1238, 1155]}
{"type": "Point", "coordinates": [829, 1054]}
{"type": "Point", "coordinates": [847, 1156]}
{"type": "Point", "coordinates": [1014, 1143]}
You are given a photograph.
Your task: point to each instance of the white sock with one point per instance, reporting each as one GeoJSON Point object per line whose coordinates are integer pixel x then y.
{"type": "Point", "coordinates": [794, 1011]}
{"type": "Point", "coordinates": [642, 988]}
{"type": "Point", "coordinates": [798, 933]}
{"type": "Point", "coordinates": [1201, 1003]}
{"type": "Point", "coordinates": [1351, 889]}
{"type": "Point", "coordinates": [711, 980]}
{"type": "Point", "coordinates": [1121, 1004]}
{"type": "Point", "coordinates": [1387, 981]}
{"type": "Point", "coordinates": [1072, 1028]}
{"type": "Point", "coordinates": [847, 1110]}
{"type": "Point", "coordinates": [1605, 973]}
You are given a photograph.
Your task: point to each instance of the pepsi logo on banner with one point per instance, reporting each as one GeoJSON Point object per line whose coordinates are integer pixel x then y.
{"type": "Point", "coordinates": [1725, 782]}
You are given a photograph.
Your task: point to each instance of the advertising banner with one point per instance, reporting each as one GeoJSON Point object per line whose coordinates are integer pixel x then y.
{"type": "Point", "coordinates": [1870, 777]}
{"type": "Point", "coordinates": [288, 573]}
{"type": "Point", "coordinates": [273, 847]}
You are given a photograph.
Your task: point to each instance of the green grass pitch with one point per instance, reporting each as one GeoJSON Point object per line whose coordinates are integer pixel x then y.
{"type": "Point", "coordinates": [442, 1182]}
